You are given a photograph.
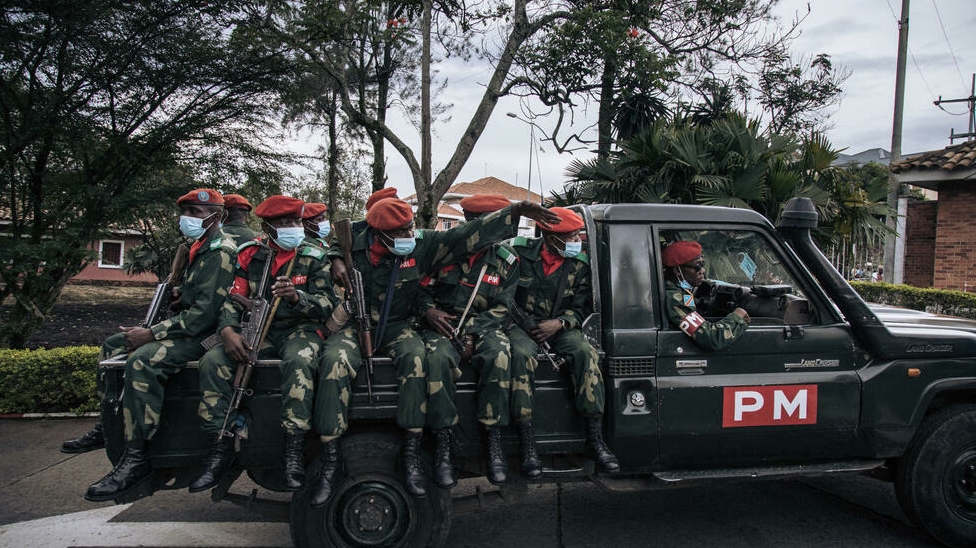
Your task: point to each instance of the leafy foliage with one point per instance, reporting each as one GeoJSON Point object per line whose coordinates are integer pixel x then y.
{"type": "Point", "coordinates": [48, 381]}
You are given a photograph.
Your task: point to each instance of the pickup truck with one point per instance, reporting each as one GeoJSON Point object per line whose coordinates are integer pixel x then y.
{"type": "Point", "coordinates": [819, 383]}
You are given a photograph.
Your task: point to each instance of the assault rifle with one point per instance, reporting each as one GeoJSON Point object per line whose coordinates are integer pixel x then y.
{"type": "Point", "coordinates": [355, 302]}
{"type": "Point", "coordinates": [256, 321]}
{"type": "Point", "coordinates": [528, 323]}
{"type": "Point", "coordinates": [164, 291]}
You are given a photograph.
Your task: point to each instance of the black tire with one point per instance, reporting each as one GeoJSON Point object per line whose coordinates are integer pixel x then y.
{"type": "Point", "coordinates": [936, 479]}
{"type": "Point", "coordinates": [370, 507]}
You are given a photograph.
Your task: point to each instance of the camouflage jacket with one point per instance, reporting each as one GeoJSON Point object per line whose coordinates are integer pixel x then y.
{"type": "Point", "coordinates": [435, 249]}
{"type": "Point", "coordinates": [536, 293]}
{"type": "Point", "coordinates": [709, 335]}
{"type": "Point", "coordinates": [451, 287]}
{"type": "Point", "coordinates": [203, 291]}
{"type": "Point", "coordinates": [239, 232]}
{"type": "Point", "coordinates": [311, 275]}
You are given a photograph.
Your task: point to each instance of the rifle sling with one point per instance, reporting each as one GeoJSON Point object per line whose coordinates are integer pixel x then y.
{"type": "Point", "coordinates": [387, 302]}
{"type": "Point", "coordinates": [474, 293]}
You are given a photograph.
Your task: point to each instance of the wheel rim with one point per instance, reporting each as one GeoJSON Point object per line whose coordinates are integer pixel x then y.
{"type": "Point", "coordinates": [372, 513]}
{"type": "Point", "coordinates": [961, 484]}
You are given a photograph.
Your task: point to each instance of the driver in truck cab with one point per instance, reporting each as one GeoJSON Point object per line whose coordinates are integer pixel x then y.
{"type": "Point", "coordinates": [684, 270]}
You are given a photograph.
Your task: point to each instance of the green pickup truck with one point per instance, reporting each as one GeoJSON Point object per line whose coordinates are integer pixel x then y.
{"type": "Point", "coordinates": [820, 383]}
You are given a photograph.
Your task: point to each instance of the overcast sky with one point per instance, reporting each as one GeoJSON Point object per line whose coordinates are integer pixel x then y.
{"type": "Point", "coordinates": [861, 35]}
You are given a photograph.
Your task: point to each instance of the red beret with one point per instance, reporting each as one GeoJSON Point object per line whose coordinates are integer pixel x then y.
{"type": "Point", "coordinates": [680, 253]}
{"type": "Point", "coordinates": [314, 209]}
{"type": "Point", "coordinates": [381, 194]}
{"type": "Point", "coordinates": [484, 203]}
{"type": "Point", "coordinates": [238, 201]}
{"type": "Point", "coordinates": [280, 206]}
{"type": "Point", "coordinates": [569, 221]}
{"type": "Point", "coordinates": [389, 214]}
{"type": "Point", "coordinates": [201, 196]}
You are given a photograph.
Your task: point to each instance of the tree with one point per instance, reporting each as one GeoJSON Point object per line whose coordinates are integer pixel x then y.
{"type": "Point", "coordinates": [96, 97]}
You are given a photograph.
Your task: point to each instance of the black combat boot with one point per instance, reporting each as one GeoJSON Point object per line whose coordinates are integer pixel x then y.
{"type": "Point", "coordinates": [332, 466]}
{"type": "Point", "coordinates": [497, 469]}
{"type": "Point", "coordinates": [132, 471]}
{"type": "Point", "coordinates": [444, 475]}
{"type": "Point", "coordinates": [594, 434]}
{"type": "Point", "coordinates": [530, 464]}
{"type": "Point", "coordinates": [415, 480]}
{"type": "Point", "coordinates": [218, 461]}
{"type": "Point", "coordinates": [294, 460]}
{"type": "Point", "coordinates": [89, 441]}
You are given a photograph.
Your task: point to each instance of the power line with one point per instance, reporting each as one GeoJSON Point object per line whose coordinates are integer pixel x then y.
{"type": "Point", "coordinates": [911, 53]}
{"type": "Point", "coordinates": [951, 52]}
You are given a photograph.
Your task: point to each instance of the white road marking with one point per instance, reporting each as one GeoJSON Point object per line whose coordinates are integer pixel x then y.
{"type": "Point", "coordinates": [92, 528]}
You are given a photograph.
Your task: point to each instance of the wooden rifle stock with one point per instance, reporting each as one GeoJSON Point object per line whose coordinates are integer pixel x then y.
{"type": "Point", "coordinates": [528, 323]}
{"type": "Point", "coordinates": [356, 301]}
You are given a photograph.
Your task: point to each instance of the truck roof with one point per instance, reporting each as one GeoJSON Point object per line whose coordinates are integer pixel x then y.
{"type": "Point", "coordinates": [675, 213]}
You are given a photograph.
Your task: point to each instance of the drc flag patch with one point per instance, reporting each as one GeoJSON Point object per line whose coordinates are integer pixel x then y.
{"type": "Point", "coordinates": [689, 300]}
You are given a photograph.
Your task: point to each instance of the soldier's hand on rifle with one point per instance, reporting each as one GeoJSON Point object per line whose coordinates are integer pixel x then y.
{"type": "Point", "coordinates": [136, 337]}
{"type": "Point", "coordinates": [340, 274]}
{"type": "Point", "coordinates": [234, 345]}
{"type": "Point", "coordinates": [441, 321]}
{"type": "Point", "coordinates": [285, 289]}
{"type": "Point", "coordinates": [535, 212]}
{"type": "Point", "coordinates": [174, 300]}
{"type": "Point", "coordinates": [545, 329]}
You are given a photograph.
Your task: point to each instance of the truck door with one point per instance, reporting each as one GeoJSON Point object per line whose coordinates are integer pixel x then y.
{"type": "Point", "coordinates": [786, 389]}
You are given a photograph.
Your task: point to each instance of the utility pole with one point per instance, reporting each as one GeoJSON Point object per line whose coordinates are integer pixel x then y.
{"type": "Point", "coordinates": [972, 113]}
{"type": "Point", "coordinates": [893, 269]}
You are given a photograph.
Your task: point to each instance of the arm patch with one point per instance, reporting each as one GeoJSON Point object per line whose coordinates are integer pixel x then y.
{"type": "Point", "coordinates": [691, 323]}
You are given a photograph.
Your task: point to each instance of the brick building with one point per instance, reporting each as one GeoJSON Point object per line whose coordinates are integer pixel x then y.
{"type": "Point", "coordinates": [940, 236]}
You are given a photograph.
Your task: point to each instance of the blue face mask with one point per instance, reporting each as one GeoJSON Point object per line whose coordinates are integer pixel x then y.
{"type": "Point", "coordinates": [324, 229]}
{"type": "Point", "coordinates": [685, 285]}
{"type": "Point", "coordinates": [192, 227]}
{"type": "Point", "coordinates": [572, 249]}
{"type": "Point", "coordinates": [290, 237]}
{"type": "Point", "coordinates": [403, 246]}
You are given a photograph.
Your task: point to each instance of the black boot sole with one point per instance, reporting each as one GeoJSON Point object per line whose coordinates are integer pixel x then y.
{"type": "Point", "coordinates": [78, 450]}
{"type": "Point", "coordinates": [142, 483]}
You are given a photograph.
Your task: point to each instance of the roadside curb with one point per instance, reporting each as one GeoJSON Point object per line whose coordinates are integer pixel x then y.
{"type": "Point", "coordinates": [48, 415]}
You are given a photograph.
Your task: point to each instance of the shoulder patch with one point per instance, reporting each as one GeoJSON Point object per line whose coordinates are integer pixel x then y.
{"type": "Point", "coordinates": [419, 234]}
{"type": "Point", "coordinates": [506, 255]}
{"type": "Point", "coordinates": [519, 241]}
{"type": "Point", "coordinates": [311, 251]}
{"type": "Point", "coordinates": [248, 243]}
{"type": "Point", "coordinates": [583, 258]}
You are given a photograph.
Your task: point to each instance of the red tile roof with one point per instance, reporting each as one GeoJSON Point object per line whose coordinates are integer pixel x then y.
{"type": "Point", "coordinates": [961, 156]}
{"type": "Point", "coordinates": [487, 185]}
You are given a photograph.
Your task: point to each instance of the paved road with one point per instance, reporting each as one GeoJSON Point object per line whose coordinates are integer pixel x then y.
{"type": "Point", "coordinates": [41, 505]}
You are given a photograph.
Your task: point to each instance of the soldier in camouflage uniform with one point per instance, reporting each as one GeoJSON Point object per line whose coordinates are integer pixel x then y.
{"type": "Point", "coordinates": [162, 349]}
{"type": "Point", "coordinates": [684, 271]}
{"type": "Point", "coordinates": [315, 220]}
{"type": "Point", "coordinates": [555, 288]}
{"type": "Point", "coordinates": [235, 225]}
{"type": "Point", "coordinates": [389, 245]}
{"type": "Point", "coordinates": [306, 300]}
{"type": "Point", "coordinates": [482, 338]}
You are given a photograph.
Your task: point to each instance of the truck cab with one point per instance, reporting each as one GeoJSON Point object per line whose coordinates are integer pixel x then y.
{"type": "Point", "coordinates": [819, 383]}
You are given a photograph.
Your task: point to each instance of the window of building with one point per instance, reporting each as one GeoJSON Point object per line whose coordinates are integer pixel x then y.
{"type": "Point", "coordinates": [447, 224]}
{"type": "Point", "coordinates": [110, 254]}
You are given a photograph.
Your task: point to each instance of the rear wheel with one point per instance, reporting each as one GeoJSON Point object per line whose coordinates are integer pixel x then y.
{"type": "Point", "coordinates": [936, 480]}
{"type": "Point", "coordinates": [370, 507]}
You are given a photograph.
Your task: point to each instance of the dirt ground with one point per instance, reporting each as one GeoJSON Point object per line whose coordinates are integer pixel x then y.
{"type": "Point", "coordinates": [86, 315]}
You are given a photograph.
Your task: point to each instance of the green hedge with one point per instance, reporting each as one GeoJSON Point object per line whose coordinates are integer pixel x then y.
{"type": "Point", "coordinates": [48, 381]}
{"type": "Point", "coordinates": [936, 301]}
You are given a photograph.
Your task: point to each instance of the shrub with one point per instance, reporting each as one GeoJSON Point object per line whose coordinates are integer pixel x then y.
{"type": "Point", "coordinates": [48, 381]}
{"type": "Point", "coordinates": [936, 301]}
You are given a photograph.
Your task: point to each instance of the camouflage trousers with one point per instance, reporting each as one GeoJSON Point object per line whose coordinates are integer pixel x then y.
{"type": "Point", "coordinates": [146, 370]}
{"type": "Point", "coordinates": [111, 347]}
{"type": "Point", "coordinates": [298, 351]}
{"type": "Point", "coordinates": [582, 360]}
{"type": "Point", "coordinates": [504, 380]}
{"type": "Point", "coordinates": [422, 400]}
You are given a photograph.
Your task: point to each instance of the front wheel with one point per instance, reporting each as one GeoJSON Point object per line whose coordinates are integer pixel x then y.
{"type": "Point", "coordinates": [936, 480]}
{"type": "Point", "coordinates": [370, 507]}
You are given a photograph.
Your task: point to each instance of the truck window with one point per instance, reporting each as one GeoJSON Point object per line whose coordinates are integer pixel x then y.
{"type": "Point", "coordinates": [743, 269]}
